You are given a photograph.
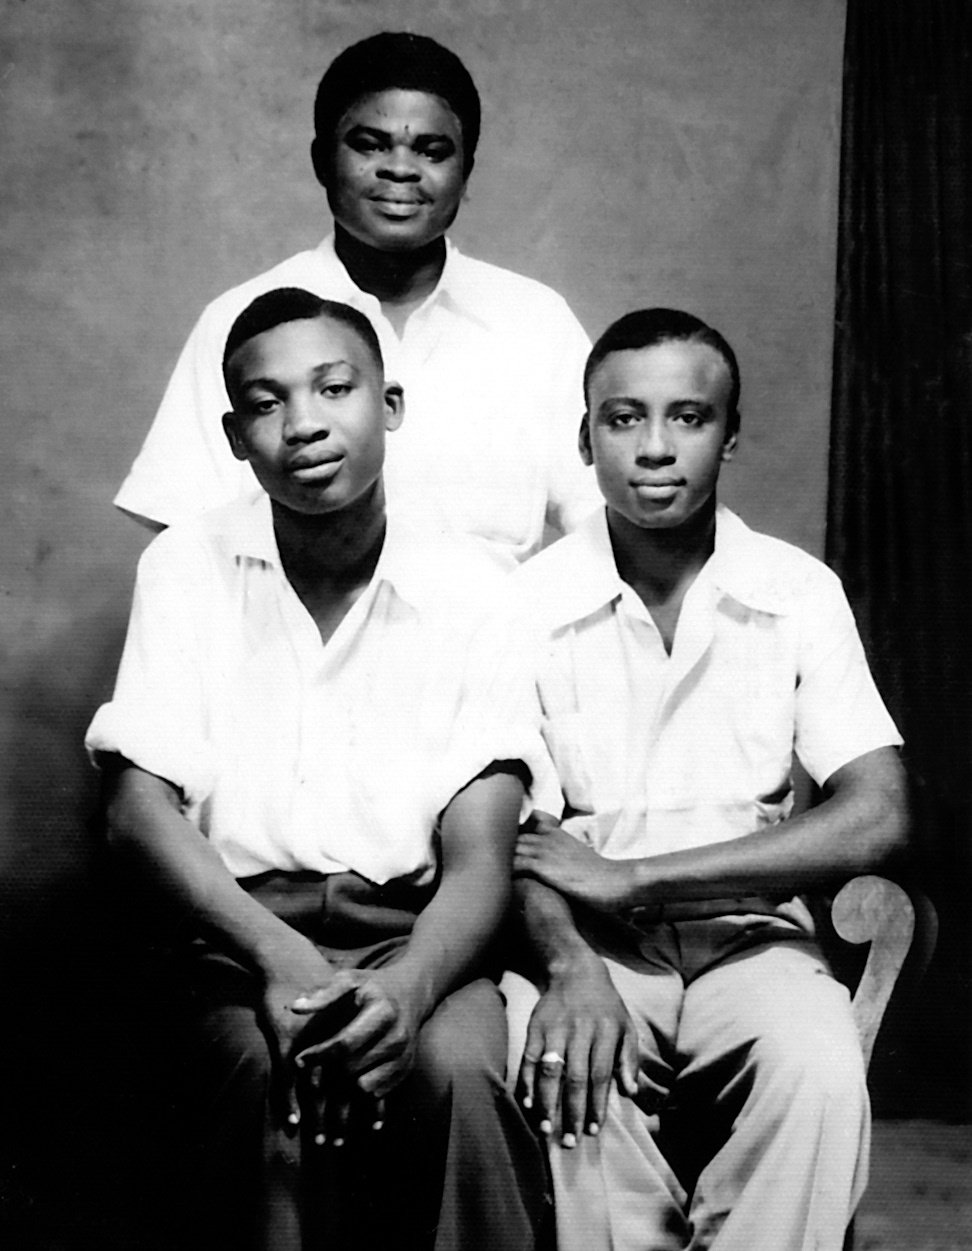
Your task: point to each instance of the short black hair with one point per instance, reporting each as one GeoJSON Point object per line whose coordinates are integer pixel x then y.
{"type": "Point", "coordinates": [648, 327]}
{"type": "Point", "coordinates": [409, 62]}
{"type": "Point", "coordinates": [275, 308]}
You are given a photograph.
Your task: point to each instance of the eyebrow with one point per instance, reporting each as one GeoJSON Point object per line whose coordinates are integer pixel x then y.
{"type": "Point", "coordinates": [274, 384]}
{"type": "Point", "coordinates": [641, 406]}
{"type": "Point", "coordinates": [379, 133]}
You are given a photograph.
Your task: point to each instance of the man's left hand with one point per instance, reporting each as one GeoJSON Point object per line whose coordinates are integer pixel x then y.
{"type": "Point", "coordinates": [548, 853]}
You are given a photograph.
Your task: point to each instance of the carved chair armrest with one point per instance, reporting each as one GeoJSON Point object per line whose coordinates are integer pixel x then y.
{"type": "Point", "coordinates": [872, 909]}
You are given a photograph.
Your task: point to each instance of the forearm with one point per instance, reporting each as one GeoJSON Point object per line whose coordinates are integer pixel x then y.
{"type": "Point", "coordinates": [861, 827]}
{"type": "Point", "coordinates": [454, 931]}
{"type": "Point", "coordinates": [147, 831]}
{"type": "Point", "coordinates": [548, 926]}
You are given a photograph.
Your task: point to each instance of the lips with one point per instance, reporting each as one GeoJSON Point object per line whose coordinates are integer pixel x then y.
{"type": "Point", "coordinates": [315, 468]}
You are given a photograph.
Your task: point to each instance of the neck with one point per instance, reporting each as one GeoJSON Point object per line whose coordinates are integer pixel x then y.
{"type": "Point", "coordinates": [392, 277]}
{"type": "Point", "coordinates": [662, 564]}
{"type": "Point", "coordinates": [336, 551]}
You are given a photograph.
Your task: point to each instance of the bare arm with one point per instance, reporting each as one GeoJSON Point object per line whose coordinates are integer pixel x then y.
{"type": "Point", "coordinates": [580, 1034]}
{"type": "Point", "coordinates": [148, 832]}
{"type": "Point", "coordinates": [446, 946]}
{"type": "Point", "coordinates": [861, 827]}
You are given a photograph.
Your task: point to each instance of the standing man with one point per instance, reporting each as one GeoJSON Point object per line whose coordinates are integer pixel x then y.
{"type": "Point", "coordinates": [490, 361]}
{"type": "Point", "coordinates": [689, 1057]}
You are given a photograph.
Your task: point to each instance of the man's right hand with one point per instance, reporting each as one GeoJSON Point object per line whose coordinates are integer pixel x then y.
{"type": "Point", "coordinates": [580, 1037]}
{"type": "Point", "coordinates": [293, 975]}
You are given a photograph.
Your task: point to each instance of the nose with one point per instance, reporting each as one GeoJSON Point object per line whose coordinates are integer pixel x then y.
{"type": "Point", "coordinates": [655, 446]}
{"type": "Point", "coordinates": [306, 421]}
{"type": "Point", "coordinates": [399, 164]}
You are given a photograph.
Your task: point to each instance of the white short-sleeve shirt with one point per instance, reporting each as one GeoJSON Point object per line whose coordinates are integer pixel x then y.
{"type": "Point", "coordinates": [649, 752]}
{"type": "Point", "coordinates": [492, 366]}
{"type": "Point", "coordinates": [292, 754]}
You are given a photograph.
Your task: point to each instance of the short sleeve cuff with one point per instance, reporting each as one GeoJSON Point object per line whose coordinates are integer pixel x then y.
{"type": "Point", "coordinates": [152, 745]}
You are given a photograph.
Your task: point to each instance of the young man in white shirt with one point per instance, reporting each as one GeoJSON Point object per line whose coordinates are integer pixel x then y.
{"type": "Point", "coordinates": [305, 758]}
{"type": "Point", "coordinates": [491, 361]}
{"type": "Point", "coordinates": [688, 1056]}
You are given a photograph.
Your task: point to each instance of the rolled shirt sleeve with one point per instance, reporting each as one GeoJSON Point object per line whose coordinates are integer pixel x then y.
{"type": "Point", "coordinates": [839, 713]}
{"type": "Point", "coordinates": [157, 717]}
{"type": "Point", "coordinates": [500, 716]}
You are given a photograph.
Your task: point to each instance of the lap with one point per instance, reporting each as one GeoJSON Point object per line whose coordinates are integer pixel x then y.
{"type": "Point", "coordinates": [779, 991]}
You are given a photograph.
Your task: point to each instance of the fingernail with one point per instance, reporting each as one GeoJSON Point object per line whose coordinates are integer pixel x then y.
{"type": "Point", "coordinates": [339, 1142]}
{"type": "Point", "coordinates": [569, 1140]}
{"type": "Point", "coordinates": [294, 1118]}
{"type": "Point", "coordinates": [546, 1127]}
{"type": "Point", "coordinates": [593, 1129]}
{"type": "Point", "coordinates": [299, 1063]}
{"type": "Point", "coordinates": [320, 1139]}
{"type": "Point", "coordinates": [378, 1125]}
{"type": "Point", "coordinates": [527, 1101]}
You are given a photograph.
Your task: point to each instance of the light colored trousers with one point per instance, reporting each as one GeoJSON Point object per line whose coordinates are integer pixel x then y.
{"type": "Point", "coordinates": [770, 1084]}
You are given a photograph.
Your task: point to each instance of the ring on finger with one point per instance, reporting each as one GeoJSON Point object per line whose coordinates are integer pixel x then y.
{"type": "Point", "coordinates": [551, 1057]}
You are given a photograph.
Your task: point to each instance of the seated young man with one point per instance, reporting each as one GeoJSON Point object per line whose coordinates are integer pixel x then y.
{"type": "Point", "coordinates": [307, 762]}
{"type": "Point", "coordinates": [689, 1057]}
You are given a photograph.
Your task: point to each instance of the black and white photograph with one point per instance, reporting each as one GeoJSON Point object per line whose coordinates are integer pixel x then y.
{"type": "Point", "coordinates": [484, 625]}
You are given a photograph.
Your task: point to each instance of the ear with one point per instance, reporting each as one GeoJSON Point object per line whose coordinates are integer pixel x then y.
{"type": "Point", "coordinates": [729, 445]}
{"type": "Point", "coordinates": [232, 431]}
{"type": "Point", "coordinates": [319, 161]}
{"type": "Point", "coordinates": [394, 405]}
{"type": "Point", "coordinates": [584, 440]}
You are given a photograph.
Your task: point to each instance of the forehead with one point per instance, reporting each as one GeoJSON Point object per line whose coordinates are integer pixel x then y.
{"type": "Point", "coordinates": [295, 348]}
{"type": "Point", "coordinates": [394, 110]}
{"type": "Point", "coordinates": [667, 371]}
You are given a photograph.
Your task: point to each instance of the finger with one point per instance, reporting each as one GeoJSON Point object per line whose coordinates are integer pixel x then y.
{"type": "Point", "coordinates": [576, 1083]}
{"type": "Point", "coordinates": [549, 1079]}
{"type": "Point", "coordinates": [339, 1106]}
{"type": "Point", "coordinates": [378, 1113]}
{"type": "Point", "coordinates": [607, 1046]}
{"type": "Point", "coordinates": [322, 997]}
{"type": "Point", "coordinates": [381, 1080]}
{"type": "Point", "coordinates": [628, 1063]}
{"type": "Point", "coordinates": [542, 821]}
{"type": "Point", "coordinates": [283, 1095]}
{"type": "Point", "coordinates": [523, 866]}
{"type": "Point", "coordinates": [534, 1048]}
{"type": "Point", "coordinates": [654, 1082]}
{"type": "Point", "coordinates": [354, 1045]}
{"type": "Point", "coordinates": [312, 1091]}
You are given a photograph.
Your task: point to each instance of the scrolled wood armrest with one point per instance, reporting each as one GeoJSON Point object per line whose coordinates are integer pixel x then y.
{"type": "Point", "coordinates": [872, 909]}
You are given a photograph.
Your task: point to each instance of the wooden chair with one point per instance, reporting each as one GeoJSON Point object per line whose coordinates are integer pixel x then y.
{"type": "Point", "coordinates": [875, 911]}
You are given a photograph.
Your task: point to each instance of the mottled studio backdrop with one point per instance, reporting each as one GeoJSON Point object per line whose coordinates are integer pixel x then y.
{"type": "Point", "coordinates": [154, 152]}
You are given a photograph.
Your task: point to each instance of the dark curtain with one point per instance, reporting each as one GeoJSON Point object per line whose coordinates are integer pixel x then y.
{"type": "Point", "coordinates": [900, 509]}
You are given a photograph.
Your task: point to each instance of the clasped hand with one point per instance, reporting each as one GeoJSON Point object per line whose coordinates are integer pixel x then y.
{"type": "Point", "coordinates": [342, 1047]}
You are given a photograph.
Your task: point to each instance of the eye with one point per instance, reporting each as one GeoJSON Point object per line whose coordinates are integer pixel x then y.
{"type": "Point", "coordinates": [438, 151]}
{"type": "Point", "coordinates": [690, 417]}
{"type": "Point", "coordinates": [623, 418]}
{"type": "Point", "coordinates": [365, 144]}
{"type": "Point", "coordinates": [335, 389]}
{"type": "Point", "coordinates": [260, 408]}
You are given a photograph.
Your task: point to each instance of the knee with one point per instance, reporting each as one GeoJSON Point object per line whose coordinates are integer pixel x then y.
{"type": "Point", "coordinates": [815, 1069]}
{"type": "Point", "coordinates": [462, 1053]}
{"type": "Point", "coordinates": [236, 1057]}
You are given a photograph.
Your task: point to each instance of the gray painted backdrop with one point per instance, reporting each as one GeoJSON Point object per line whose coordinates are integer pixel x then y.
{"type": "Point", "coordinates": [679, 152]}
